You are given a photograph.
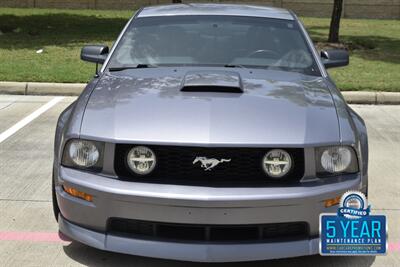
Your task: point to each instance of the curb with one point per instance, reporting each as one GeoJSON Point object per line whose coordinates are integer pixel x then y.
{"type": "Point", "coordinates": [75, 89]}
{"type": "Point", "coordinates": [34, 88]}
{"type": "Point", "coordinates": [372, 98]}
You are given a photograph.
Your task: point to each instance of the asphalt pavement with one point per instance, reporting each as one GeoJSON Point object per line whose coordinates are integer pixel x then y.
{"type": "Point", "coordinates": [28, 231]}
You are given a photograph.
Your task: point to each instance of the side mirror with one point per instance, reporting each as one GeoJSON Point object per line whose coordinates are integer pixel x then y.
{"type": "Point", "coordinates": [335, 58]}
{"type": "Point", "coordinates": [94, 53]}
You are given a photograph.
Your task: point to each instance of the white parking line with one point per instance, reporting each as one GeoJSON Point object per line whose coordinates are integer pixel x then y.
{"type": "Point", "coordinates": [19, 125]}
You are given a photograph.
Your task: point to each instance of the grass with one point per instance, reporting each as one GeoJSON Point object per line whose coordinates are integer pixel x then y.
{"type": "Point", "coordinates": [374, 46]}
{"type": "Point", "coordinates": [374, 53]}
{"type": "Point", "coordinates": [61, 33]}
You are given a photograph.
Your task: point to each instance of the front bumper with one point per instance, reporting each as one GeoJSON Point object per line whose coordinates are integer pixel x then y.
{"type": "Point", "coordinates": [87, 221]}
{"type": "Point", "coordinates": [189, 251]}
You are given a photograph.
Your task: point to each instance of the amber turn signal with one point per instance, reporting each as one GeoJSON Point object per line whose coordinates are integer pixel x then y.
{"type": "Point", "coordinates": [332, 202]}
{"type": "Point", "coordinates": [76, 193]}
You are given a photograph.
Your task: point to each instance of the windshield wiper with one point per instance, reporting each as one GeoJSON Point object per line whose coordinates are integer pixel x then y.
{"type": "Point", "coordinates": [138, 66]}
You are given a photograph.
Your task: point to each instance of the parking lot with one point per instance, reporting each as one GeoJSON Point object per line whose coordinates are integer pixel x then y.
{"type": "Point", "coordinates": [28, 231]}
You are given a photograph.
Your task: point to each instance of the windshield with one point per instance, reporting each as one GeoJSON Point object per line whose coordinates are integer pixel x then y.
{"type": "Point", "coordinates": [230, 41]}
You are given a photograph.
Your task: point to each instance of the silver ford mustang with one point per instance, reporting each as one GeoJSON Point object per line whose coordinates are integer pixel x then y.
{"type": "Point", "coordinates": [212, 133]}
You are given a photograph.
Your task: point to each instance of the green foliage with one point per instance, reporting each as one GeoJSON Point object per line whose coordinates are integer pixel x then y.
{"type": "Point", "coordinates": [374, 52]}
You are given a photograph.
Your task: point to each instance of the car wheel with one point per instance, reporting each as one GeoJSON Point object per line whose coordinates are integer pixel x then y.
{"type": "Point", "coordinates": [56, 209]}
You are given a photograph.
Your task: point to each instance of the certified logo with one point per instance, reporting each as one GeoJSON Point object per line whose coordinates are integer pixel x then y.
{"type": "Point", "coordinates": [207, 164]}
{"type": "Point", "coordinates": [353, 205]}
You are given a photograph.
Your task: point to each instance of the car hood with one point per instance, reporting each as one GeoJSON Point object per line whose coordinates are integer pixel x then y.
{"type": "Point", "coordinates": [275, 108]}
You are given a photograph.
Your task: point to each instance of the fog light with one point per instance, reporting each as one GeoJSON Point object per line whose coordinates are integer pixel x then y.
{"type": "Point", "coordinates": [332, 202]}
{"type": "Point", "coordinates": [277, 163]}
{"type": "Point", "coordinates": [141, 160]}
{"type": "Point", "coordinates": [76, 193]}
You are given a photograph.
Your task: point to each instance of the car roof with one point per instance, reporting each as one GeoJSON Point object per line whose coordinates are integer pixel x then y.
{"type": "Point", "coordinates": [216, 9]}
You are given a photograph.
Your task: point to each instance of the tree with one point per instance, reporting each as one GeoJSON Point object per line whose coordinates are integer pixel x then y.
{"type": "Point", "coordinates": [176, 1]}
{"type": "Point", "coordinates": [335, 21]}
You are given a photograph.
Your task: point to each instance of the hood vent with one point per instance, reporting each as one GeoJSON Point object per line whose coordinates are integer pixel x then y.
{"type": "Point", "coordinates": [212, 81]}
{"type": "Point", "coordinates": [214, 89]}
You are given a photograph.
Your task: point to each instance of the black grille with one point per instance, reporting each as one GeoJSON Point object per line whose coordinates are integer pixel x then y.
{"type": "Point", "coordinates": [175, 166]}
{"type": "Point", "coordinates": [209, 233]}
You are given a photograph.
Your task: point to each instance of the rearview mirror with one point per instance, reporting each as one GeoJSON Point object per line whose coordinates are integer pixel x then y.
{"type": "Point", "coordinates": [335, 58]}
{"type": "Point", "coordinates": [94, 53]}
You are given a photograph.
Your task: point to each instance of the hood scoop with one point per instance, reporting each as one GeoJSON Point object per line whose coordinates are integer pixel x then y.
{"type": "Point", "coordinates": [212, 81]}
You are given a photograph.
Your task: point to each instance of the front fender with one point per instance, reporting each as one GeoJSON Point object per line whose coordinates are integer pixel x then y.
{"type": "Point", "coordinates": [69, 123]}
{"type": "Point", "coordinates": [61, 122]}
{"type": "Point", "coordinates": [363, 139]}
{"type": "Point", "coordinates": [352, 131]}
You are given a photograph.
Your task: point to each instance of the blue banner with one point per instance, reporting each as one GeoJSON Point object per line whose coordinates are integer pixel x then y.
{"type": "Point", "coordinates": [362, 236]}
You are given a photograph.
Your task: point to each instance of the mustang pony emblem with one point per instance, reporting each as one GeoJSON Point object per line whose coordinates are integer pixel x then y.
{"type": "Point", "coordinates": [208, 164]}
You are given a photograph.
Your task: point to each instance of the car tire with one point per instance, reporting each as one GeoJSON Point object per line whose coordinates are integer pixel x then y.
{"type": "Point", "coordinates": [56, 209]}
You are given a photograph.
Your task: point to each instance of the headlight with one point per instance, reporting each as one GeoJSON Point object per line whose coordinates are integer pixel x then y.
{"type": "Point", "coordinates": [141, 160]}
{"type": "Point", "coordinates": [277, 163]}
{"type": "Point", "coordinates": [336, 159]}
{"type": "Point", "coordinates": [83, 154]}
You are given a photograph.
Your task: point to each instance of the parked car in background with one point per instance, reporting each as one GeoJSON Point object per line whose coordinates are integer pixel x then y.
{"type": "Point", "coordinates": [212, 133]}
